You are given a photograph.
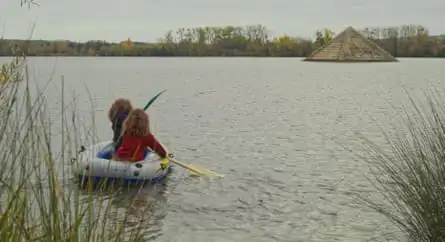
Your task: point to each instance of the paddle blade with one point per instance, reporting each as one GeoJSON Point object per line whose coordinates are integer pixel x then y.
{"type": "Point", "coordinates": [153, 99]}
{"type": "Point", "coordinates": [188, 167]}
{"type": "Point", "coordinates": [206, 171]}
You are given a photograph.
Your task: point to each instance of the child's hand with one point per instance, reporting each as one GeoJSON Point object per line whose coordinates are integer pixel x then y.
{"type": "Point", "coordinates": [164, 163]}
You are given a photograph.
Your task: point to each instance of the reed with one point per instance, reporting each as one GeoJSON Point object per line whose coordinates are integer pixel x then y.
{"type": "Point", "coordinates": [409, 171]}
{"type": "Point", "coordinates": [40, 199]}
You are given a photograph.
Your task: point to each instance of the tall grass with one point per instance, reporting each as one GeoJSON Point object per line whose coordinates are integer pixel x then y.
{"type": "Point", "coordinates": [409, 171]}
{"type": "Point", "coordinates": [39, 199]}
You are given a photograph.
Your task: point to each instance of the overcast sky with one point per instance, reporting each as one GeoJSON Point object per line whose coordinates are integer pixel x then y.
{"type": "Point", "coordinates": [147, 20]}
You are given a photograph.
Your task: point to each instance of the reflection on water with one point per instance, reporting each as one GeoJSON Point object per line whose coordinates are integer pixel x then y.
{"type": "Point", "coordinates": [139, 208]}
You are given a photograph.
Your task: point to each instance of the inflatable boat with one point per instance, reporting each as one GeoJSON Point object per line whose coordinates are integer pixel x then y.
{"type": "Point", "coordinates": [94, 164]}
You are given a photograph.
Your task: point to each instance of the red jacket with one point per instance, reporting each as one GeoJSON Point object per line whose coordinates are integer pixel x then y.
{"type": "Point", "coordinates": [133, 147]}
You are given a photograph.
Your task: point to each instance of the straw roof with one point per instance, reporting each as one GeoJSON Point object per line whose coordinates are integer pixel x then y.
{"type": "Point", "coordinates": [351, 46]}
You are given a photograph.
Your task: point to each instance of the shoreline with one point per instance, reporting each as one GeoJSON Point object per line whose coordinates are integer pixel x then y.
{"type": "Point", "coordinates": [149, 56]}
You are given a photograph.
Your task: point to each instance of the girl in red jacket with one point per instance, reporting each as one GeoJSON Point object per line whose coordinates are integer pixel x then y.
{"type": "Point", "coordinates": [136, 137]}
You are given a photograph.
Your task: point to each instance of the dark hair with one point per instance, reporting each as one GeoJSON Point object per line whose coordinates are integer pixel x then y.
{"type": "Point", "coordinates": [120, 105]}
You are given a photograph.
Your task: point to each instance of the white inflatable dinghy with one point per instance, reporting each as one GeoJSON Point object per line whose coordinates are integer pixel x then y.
{"type": "Point", "coordinates": [95, 164]}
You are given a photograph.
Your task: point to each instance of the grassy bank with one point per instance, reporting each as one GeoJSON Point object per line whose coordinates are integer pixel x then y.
{"type": "Point", "coordinates": [409, 171]}
{"type": "Point", "coordinates": [40, 200]}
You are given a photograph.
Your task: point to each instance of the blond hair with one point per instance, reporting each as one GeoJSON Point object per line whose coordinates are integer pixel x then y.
{"type": "Point", "coordinates": [136, 124]}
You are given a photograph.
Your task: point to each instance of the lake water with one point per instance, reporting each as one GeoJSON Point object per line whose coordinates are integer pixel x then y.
{"type": "Point", "coordinates": [266, 123]}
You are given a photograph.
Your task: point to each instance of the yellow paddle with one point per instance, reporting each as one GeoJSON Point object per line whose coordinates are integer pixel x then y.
{"type": "Point", "coordinates": [195, 169]}
{"type": "Point", "coordinates": [206, 171]}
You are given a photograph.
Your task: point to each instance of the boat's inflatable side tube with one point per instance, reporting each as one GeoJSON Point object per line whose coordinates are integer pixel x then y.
{"type": "Point", "coordinates": [93, 164]}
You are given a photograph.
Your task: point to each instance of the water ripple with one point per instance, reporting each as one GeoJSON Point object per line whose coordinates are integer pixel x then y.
{"type": "Point", "coordinates": [268, 125]}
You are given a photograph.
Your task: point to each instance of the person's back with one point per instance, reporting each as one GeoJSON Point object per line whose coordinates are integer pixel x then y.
{"type": "Point", "coordinates": [136, 137]}
{"type": "Point", "coordinates": [133, 148]}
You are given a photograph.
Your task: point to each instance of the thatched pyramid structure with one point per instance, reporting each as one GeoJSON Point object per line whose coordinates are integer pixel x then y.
{"type": "Point", "coordinates": [351, 46]}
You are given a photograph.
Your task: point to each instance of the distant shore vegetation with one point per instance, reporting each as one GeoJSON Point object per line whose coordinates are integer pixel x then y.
{"type": "Point", "coordinates": [252, 40]}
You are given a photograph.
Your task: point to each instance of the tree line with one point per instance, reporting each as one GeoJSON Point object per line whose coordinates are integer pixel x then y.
{"type": "Point", "coordinates": [252, 40]}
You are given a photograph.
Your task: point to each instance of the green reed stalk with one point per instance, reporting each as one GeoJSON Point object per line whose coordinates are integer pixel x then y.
{"type": "Point", "coordinates": [409, 171]}
{"type": "Point", "coordinates": [39, 199]}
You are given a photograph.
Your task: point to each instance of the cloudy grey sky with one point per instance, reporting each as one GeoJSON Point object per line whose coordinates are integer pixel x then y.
{"type": "Point", "coordinates": [147, 20]}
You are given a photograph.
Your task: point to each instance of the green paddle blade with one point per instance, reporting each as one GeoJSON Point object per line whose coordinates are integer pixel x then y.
{"type": "Point", "coordinates": [153, 99]}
